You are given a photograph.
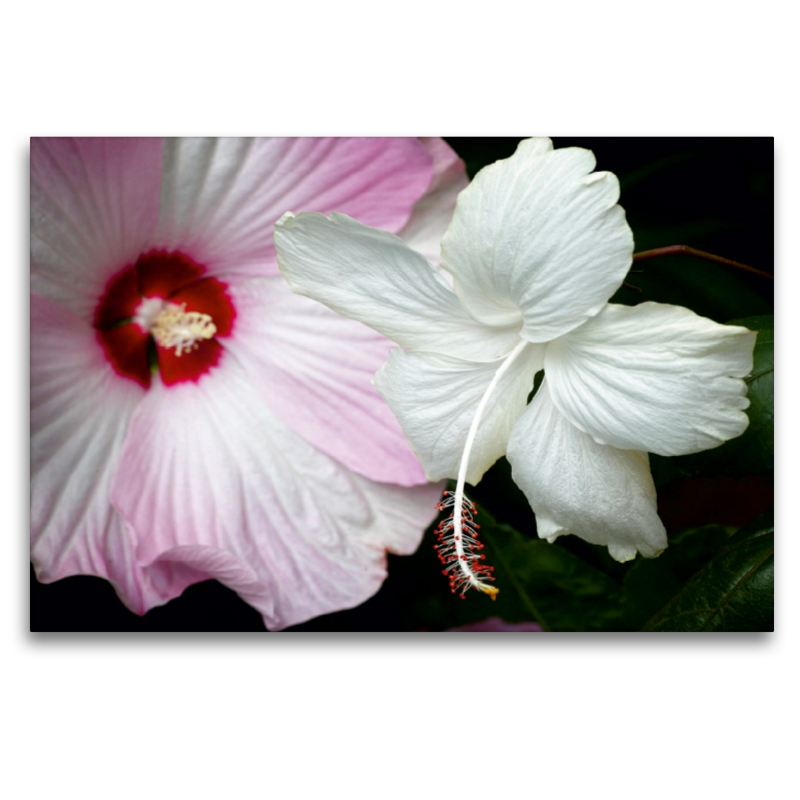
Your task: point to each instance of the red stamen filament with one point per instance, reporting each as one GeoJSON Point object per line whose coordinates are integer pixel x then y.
{"type": "Point", "coordinates": [461, 564]}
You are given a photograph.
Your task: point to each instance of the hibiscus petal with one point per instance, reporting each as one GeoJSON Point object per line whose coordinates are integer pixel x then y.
{"type": "Point", "coordinates": [372, 276]}
{"type": "Point", "coordinates": [79, 412]}
{"type": "Point", "coordinates": [220, 197]}
{"type": "Point", "coordinates": [574, 485]}
{"type": "Point", "coordinates": [210, 479]}
{"type": "Point", "coordinates": [537, 237]}
{"type": "Point", "coordinates": [653, 377]}
{"type": "Point", "coordinates": [314, 370]}
{"type": "Point", "coordinates": [94, 208]}
{"type": "Point", "coordinates": [433, 212]}
{"type": "Point", "coordinates": [436, 397]}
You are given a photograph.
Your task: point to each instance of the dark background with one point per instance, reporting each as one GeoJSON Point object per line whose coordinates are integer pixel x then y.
{"type": "Point", "coordinates": [714, 194]}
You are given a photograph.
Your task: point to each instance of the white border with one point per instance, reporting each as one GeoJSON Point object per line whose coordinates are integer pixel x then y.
{"type": "Point", "coordinates": [372, 716]}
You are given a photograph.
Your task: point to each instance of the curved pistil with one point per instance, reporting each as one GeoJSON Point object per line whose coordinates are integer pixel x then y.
{"type": "Point", "coordinates": [458, 537]}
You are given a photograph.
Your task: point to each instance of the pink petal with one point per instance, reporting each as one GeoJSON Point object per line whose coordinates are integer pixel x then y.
{"type": "Point", "coordinates": [434, 211]}
{"type": "Point", "coordinates": [222, 196]}
{"type": "Point", "coordinates": [210, 479]}
{"type": "Point", "coordinates": [79, 413]}
{"type": "Point", "coordinates": [94, 208]}
{"type": "Point", "coordinates": [314, 370]}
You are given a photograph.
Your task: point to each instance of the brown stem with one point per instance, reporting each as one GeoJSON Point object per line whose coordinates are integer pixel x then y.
{"type": "Point", "coordinates": [685, 250]}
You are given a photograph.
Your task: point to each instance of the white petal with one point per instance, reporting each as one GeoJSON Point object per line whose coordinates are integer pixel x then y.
{"type": "Point", "coordinates": [314, 370]}
{"type": "Point", "coordinates": [653, 377]}
{"type": "Point", "coordinates": [574, 485]}
{"type": "Point", "coordinates": [372, 276]}
{"type": "Point", "coordinates": [536, 236]}
{"type": "Point", "coordinates": [436, 397]}
{"type": "Point", "coordinates": [210, 479]}
{"type": "Point", "coordinates": [433, 212]}
{"type": "Point", "coordinates": [94, 208]}
{"type": "Point", "coordinates": [221, 197]}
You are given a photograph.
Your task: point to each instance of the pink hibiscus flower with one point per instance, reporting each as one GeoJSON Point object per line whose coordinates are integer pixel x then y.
{"type": "Point", "coordinates": [191, 417]}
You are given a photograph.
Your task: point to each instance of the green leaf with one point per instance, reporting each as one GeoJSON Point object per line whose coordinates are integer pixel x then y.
{"type": "Point", "coordinates": [650, 583]}
{"type": "Point", "coordinates": [751, 453]}
{"type": "Point", "coordinates": [546, 583]}
{"type": "Point", "coordinates": [562, 592]}
{"type": "Point", "coordinates": [733, 592]}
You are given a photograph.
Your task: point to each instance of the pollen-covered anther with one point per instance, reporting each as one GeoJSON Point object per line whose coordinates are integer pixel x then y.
{"type": "Point", "coordinates": [462, 567]}
{"type": "Point", "coordinates": [176, 327]}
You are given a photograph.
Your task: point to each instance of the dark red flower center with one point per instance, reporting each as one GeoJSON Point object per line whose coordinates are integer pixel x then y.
{"type": "Point", "coordinates": [162, 313]}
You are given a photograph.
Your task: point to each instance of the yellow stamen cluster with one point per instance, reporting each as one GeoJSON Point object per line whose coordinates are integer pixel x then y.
{"type": "Point", "coordinates": [176, 327]}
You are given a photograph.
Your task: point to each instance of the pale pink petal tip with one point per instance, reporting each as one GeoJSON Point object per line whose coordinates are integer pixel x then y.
{"type": "Point", "coordinates": [497, 625]}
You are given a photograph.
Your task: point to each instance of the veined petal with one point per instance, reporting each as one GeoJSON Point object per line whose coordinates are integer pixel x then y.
{"type": "Point", "coordinates": [372, 276]}
{"type": "Point", "coordinates": [80, 410]}
{"type": "Point", "coordinates": [94, 208]}
{"type": "Point", "coordinates": [314, 370]}
{"type": "Point", "coordinates": [435, 398]}
{"type": "Point", "coordinates": [433, 212]}
{"type": "Point", "coordinates": [653, 377]}
{"type": "Point", "coordinates": [220, 197]}
{"type": "Point", "coordinates": [537, 237]}
{"type": "Point", "coordinates": [211, 480]}
{"type": "Point", "coordinates": [574, 485]}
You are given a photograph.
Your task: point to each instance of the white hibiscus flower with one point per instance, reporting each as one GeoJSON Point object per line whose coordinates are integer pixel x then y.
{"type": "Point", "coordinates": [536, 248]}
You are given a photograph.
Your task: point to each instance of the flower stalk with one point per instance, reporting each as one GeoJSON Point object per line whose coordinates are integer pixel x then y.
{"type": "Point", "coordinates": [685, 250]}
